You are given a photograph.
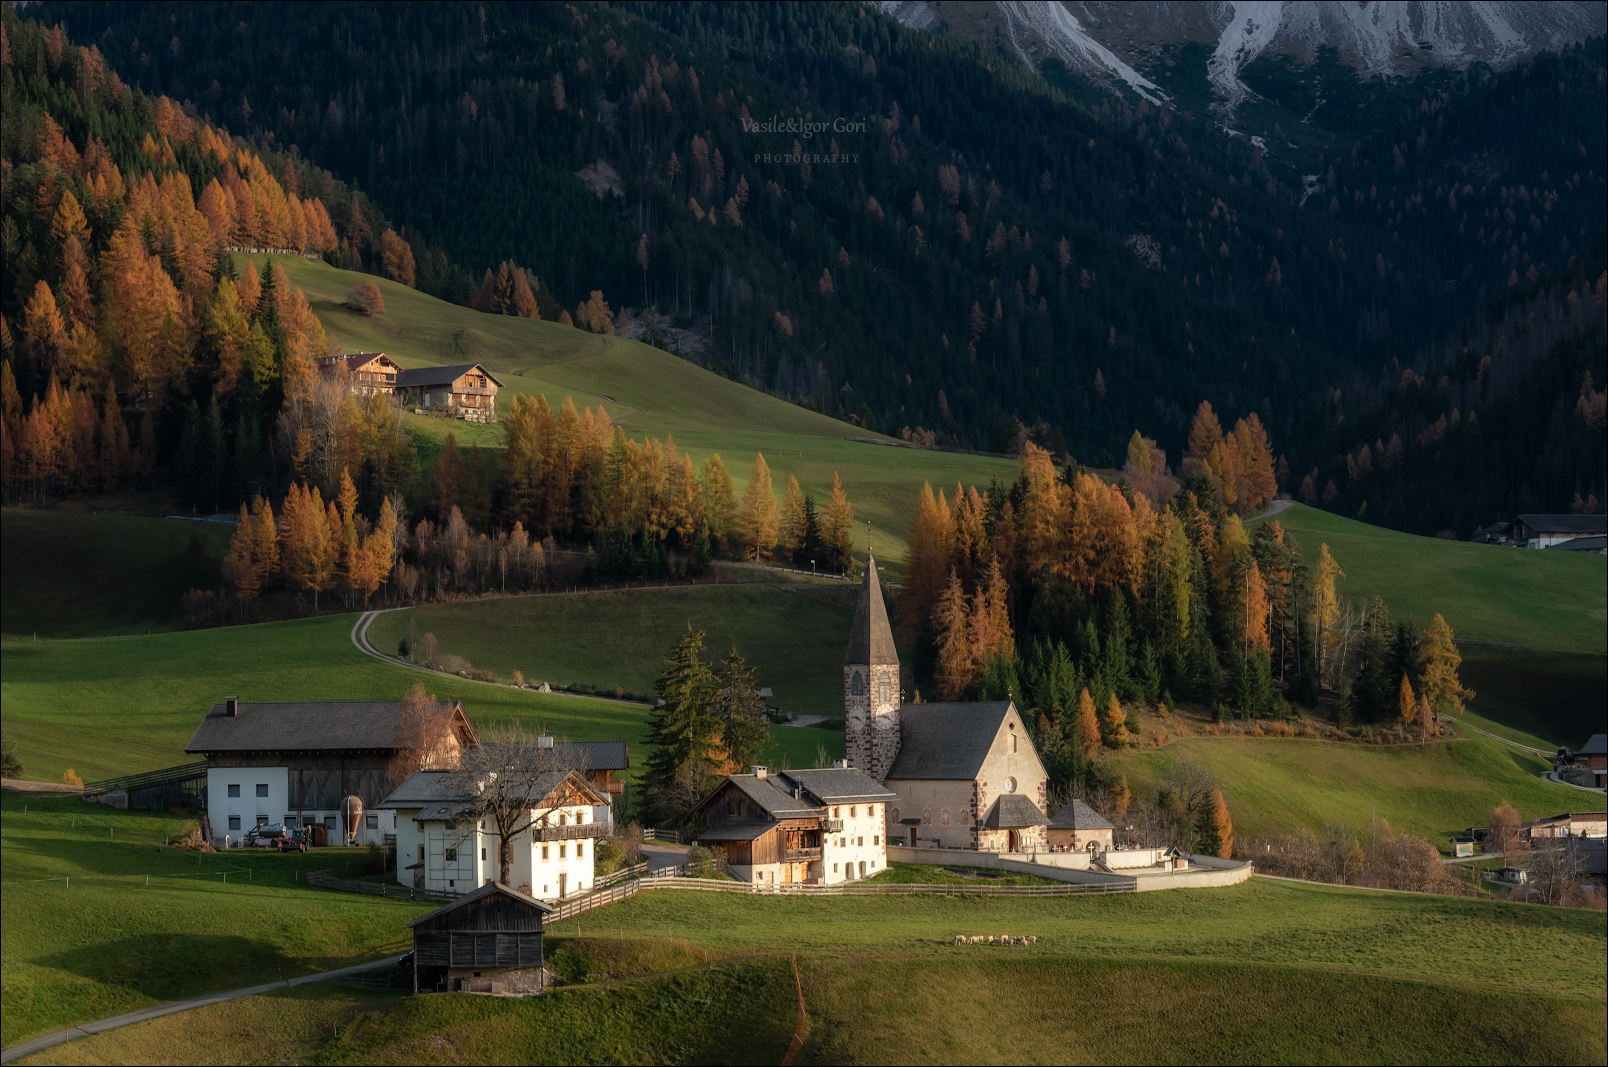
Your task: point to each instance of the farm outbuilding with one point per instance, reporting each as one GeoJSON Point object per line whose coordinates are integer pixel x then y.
{"type": "Point", "coordinates": [487, 941]}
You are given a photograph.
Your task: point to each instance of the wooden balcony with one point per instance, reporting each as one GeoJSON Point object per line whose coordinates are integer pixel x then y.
{"type": "Point", "coordinates": [570, 833]}
{"type": "Point", "coordinates": [795, 854]}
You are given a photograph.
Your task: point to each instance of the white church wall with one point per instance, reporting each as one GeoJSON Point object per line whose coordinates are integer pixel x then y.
{"type": "Point", "coordinates": [945, 808]}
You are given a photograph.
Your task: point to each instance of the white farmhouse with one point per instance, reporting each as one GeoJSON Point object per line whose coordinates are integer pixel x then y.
{"type": "Point", "coordinates": [550, 859]}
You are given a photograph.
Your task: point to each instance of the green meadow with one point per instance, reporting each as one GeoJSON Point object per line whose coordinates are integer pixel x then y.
{"type": "Point", "coordinates": [1437, 791]}
{"type": "Point", "coordinates": [1556, 601]}
{"type": "Point", "coordinates": [792, 634]}
{"type": "Point", "coordinates": [647, 391]}
{"type": "Point", "coordinates": [118, 705]}
{"type": "Point", "coordinates": [1264, 972]}
{"type": "Point", "coordinates": [100, 919]}
{"type": "Point", "coordinates": [77, 574]}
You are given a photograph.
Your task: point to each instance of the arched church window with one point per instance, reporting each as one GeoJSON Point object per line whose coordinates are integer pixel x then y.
{"type": "Point", "coordinates": [943, 817]}
{"type": "Point", "coordinates": [965, 816]}
{"type": "Point", "coordinates": [885, 689]}
{"type": "Point", "coordinates": [857, 685]}
{"type": "Point", "coordinates": [926, 816]}
{"type": "Point", "coordinates": [893, 816]}
{"type": "Point", "coordinates": [1013, 744]}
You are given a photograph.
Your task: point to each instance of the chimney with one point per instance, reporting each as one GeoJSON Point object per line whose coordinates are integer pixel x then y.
{"type": "Point", "coordinates": [840, 765]}
{"type": "Point", "coordinates": [759, 770]}
{"type": "Point", "coordinates": [544, 740]}
{"type": "Point", "coordinates": [231, 706]}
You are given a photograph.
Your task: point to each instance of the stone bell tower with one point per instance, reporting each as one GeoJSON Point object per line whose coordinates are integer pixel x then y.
{"type": "Point", "coordinates": [871, 683]}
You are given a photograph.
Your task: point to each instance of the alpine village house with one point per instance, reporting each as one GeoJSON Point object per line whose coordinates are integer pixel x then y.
{"type": "Point", "coordinates": [301, 765]}
{"type": "Point", "coordinates": [549, 859]}
{"type": "Point", "coordinates": [467, 391]}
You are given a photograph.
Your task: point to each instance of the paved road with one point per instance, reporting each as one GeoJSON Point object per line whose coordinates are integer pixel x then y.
{"type": "Point", "coordinates": [28, 1048]}
{"type": "Point", "coordinates": [662, 856]}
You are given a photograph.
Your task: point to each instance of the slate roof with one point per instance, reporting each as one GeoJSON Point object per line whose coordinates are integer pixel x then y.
{"type": "Point", "coordinates": [946, 741]}
{"type": "Point", "coordinates": [1578, 524]}
{"type": "Point", "coordinates": [482, 893]}
{"type": "Point", "coordinates": [431, 793]}
{"type": "Point", "coordinates": [440, 375]}
{"type": "Point", "coordinates": [313, 726]}
{"type": "Point", "coordinates": [1589, 543]}
{"type": "Point", "coordinates": [1076, 815]}
{"type": "Point", "coordinates": [772, 797]}
{"type": "Point", "coordinates": [1596, 746]}
{"type": "Point", "coordinates": [838, 785]}
{"type": "Point", "coordinates": [737, 830]}
{"type": "Point", "coordinates": [870, 638]}
{"type": "Point", "coordinates": [595, 755]}
{"type": "Point", "coordinates": [1013, 811]}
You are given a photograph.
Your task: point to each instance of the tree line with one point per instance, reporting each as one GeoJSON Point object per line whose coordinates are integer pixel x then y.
{"type": "Point", "coordinates": [1084, 601]}
{"type": "Point", "coordinates": [1090, 268]}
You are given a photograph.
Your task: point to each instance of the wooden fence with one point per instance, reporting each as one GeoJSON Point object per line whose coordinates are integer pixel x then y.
{"type": "Point", "coordinates": [625, 891]}
{"type": "Point", "coordinates": [626, 886]}
{"type": "Point", "coordinates": [326, 880]}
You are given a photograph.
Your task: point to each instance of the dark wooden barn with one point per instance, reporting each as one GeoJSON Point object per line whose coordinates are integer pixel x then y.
{"type": "Point", "coordinates": [487, 941]}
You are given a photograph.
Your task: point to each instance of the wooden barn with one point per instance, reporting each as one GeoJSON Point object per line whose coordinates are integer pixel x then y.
{"type": "Point", "coordinates": [487, 941]}
{"type": "Point", "coordinates": [365, 373]}
{"type": "Point", "coordinates": [466, 391]}
{"type": "Point", "coordinates": [297, 763]}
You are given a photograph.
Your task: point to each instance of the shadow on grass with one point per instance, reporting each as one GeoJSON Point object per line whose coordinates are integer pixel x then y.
{"type": "Point", "coordinates": [1558, 696]}
{"type": "Point", "coordinates": [178, 966]}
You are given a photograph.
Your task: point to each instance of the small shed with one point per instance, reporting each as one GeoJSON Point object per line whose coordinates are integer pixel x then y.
{"type": "Point", "coordinates": [1462, 847]}
{"type": "Point", "coordinates": [487, 941]}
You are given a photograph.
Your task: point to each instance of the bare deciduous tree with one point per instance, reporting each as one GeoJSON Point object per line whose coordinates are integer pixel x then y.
{"type": "Point", "coordinates": [425, 736]}
{"type": "Point", "coordinates": [508, 782]}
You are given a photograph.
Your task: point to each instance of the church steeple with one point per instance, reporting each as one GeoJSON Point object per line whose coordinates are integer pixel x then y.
{"type": "Point", "coordinates": [871, 638]}
{"type": "Point", "coordinates": [871, 683]}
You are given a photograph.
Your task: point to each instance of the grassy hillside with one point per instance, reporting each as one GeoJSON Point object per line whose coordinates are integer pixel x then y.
{"type": "Point", "coordinates": [1277, 785]}
{"type": "Point", "coordinates": [1548, 600]}
{"type": "Point", "coordinates": [70, 574]}
{"type": "Point", "coordinates": [794, 641]}
{"type": "Point", "coordinates": [1266, 971]}
{"type": "Point", "coordinates": [189, 931]}
{"type": "Point", "coordinates": [111, 706]}
{"type": "Point", "coordinates": [646, 390]}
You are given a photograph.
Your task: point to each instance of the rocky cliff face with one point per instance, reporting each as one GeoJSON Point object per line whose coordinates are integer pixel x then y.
{"type": "Point", "coordinates": [1115, 42]}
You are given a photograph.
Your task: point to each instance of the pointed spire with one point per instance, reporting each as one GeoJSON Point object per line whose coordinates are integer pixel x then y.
{"type": "Point", "coordinates": [871, 638]}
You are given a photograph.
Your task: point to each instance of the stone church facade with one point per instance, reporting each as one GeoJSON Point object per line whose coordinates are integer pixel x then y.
{"type": "Point", "coordinates": [965, 773]}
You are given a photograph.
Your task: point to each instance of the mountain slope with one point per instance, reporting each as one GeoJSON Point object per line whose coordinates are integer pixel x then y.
{"type": "Point", "coordinates": [965, 243]}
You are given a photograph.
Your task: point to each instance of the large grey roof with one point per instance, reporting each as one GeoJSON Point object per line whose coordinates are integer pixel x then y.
{"type": "Point", "coordinates": [1596, 746]}
{"type": "Point", "coordinates": [1589, 543]}
{"type": "Point", "coordinates": [440, 375]}
{"type": "Point", "coordinates": [870, 638]}
{"type": "Point", "coordinates": [1076, 815]}
{"type": "Point", "coordinates": [774, 797]}
{"type": "Point", "coordinates": [594, 755]}
{"type": "Point", "coordinates": [433, 793]}
{"type": "Point", "coordinates": [420, 788]}
{"type": "Point", "coordinates": [312, 726]}
{"type": "Point", "coordinates": [1582, 524]}
{"type": "Point", "coordinates": [838, 785]}
{"type": "Point", "coordinates": [1012, 811]}
{"type": "Point", "coordinates": [946, 741]}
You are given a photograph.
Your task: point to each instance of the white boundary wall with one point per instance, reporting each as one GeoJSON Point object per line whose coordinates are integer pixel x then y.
{"type": "Point", "coordinates": [1217, 873]}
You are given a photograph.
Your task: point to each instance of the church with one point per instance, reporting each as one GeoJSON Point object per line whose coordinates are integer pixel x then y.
{"type": "Point", "coordinates": [963, 775]}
